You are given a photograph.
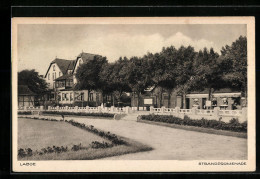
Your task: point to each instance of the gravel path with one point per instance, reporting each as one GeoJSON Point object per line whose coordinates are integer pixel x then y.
{"type": "Point", "coordinates": [172, 144]}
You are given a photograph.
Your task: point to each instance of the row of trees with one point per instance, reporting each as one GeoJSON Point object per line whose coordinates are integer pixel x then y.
{"type": "Point", "coordinates": [181, 69]}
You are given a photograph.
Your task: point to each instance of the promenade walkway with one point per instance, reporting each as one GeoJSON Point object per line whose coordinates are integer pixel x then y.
{"type": "Point", "coordinates": [170, 143]}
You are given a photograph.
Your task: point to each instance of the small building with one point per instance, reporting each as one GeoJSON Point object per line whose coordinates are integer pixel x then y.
{"type": "Point", "coordinates": [225, 98]}
{"type": "Point", "coordinates": [26, 98]}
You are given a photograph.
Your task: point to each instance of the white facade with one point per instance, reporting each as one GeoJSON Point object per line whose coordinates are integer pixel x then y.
{"type": "Point", "coordinates": [79, 62]}
{"type": "Point", "coordinates": [53, 73]}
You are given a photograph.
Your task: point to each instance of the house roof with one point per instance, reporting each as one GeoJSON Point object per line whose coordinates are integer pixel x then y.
{"type": "Point", "coordinates": [63, 64]}
{"type": "Point", "coordinates": [25, 91]}
{"type": "Point", "coordinates": [85, 57]}
{"type": "Point", "coordinates": [64, 77]}
{"type": "Point", "coordinates": [66, 65]}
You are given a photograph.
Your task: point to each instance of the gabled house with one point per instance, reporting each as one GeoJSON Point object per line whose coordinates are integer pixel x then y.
{"type": "Point", "coordinates": [61, 77]}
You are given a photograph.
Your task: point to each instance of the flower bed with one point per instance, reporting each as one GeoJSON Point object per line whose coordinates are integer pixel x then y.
{"type": "Point", "coordinates": [115, 141]}
{"type": "Point", "coordinates": [28, 152]}
{"type": "Point", "coordinates": [112, 137]}
{"type": "Point", "coordinates": [79, 113]}
{"type": "Point", "coordinates": [233, 125]}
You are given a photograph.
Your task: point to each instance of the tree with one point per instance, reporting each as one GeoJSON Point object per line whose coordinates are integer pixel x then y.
{"type": "Point", "coordinates": [88, 75]}
{"type": "Point", "coordinates": [184, 70]}
{"type": "Point", "coordinates": [168, 79]}
{"type": "Point", "coordinates": [113, 76]}
{"type": "Point", "coordinates": [34, 82]}
{"type": "Point", "coordinates": [105, 78]}
{"type": "Point", "coordinates": [207, 72]}
{"type": "Point", "coordinates": [162, 70]}
{"type": "Point", "coordinates": [234, 64]}
{"type": "Point", "coordinates": [137, 76]}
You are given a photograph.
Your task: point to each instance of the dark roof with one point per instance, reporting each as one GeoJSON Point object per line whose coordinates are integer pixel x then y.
{"type": "Point", "coordinates": [24, 90]}
{"type": "Point", "coordinates": [87, 56]}
{"type": "Point", "coordinates": [71, 64]}
{"type": "Point", "coordinates": [66, 65]}
{"type": "Point", "coordinates": [64, 77]}
{"type": "Point", "coordinates": [63, 64]}
{"type": "Point", "coordinates": [222, 90]}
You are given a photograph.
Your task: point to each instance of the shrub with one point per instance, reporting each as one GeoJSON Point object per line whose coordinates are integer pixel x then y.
{"type": "Point", "coordinates": [97, 145]}
{"type": "Point", "coordinates": [79, 114]}
{"type": "Point", "coordinates": [233, 124]}
{"type": "Point", "coordinates": [29, 152]}
{"type": "Point", "coordinates": [25, 112]}
{"type": "Point", "coordinates": [21, 153]}
{"type": "Point", "coordinates": [76, 147]}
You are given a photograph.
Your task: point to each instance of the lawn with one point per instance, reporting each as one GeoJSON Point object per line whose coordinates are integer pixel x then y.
{"type": "Point", "coordinates": [38, 134]}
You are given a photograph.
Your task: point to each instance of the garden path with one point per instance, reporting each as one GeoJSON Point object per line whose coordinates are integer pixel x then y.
{"type": "Point", "coordinates": [170, 143]}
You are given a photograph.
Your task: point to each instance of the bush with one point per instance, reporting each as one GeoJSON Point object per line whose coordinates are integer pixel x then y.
{"type": "Point", "coordinates": [233, 124]}
{"type": "Point", "coordinates": [76, 147]}
{"type": "Point", "coordinates": [21, 153]}
{"type": "Point", "coordinates": [24, 112]}
{"type": "Point", "coordinates": [97, 145]}
{"type": "Point", "coordinates": [79, 113]}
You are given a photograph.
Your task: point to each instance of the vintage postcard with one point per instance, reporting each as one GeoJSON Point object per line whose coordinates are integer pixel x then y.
{"type": "Point", "coordinates": [133, 94]}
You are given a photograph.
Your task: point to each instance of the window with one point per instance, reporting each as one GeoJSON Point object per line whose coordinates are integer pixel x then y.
{"type": "Point", "coordinates": [225, 101]}
{"type": "Point", "coordinates": [69, 82]}
{"type": "Point", "coordinates": [214, 102]}
{"type": "Point", "coordinates": [59, 74]}
{"type": "Point", "coordinates": [53, 67]}
{"type": "Point", "coordinates": [80, 61]}
{"type": "Point", "coordinates": [82, 96]}
{"type": "Point", "coordinates": [90, 97]}
{"type": "Point", "coordinates": [48, 76]}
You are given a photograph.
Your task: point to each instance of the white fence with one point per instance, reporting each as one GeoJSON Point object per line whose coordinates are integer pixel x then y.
{"type": "Point", "coordinates": [194, 112]}
{"type": "Point", "coordinates": [86, 109]}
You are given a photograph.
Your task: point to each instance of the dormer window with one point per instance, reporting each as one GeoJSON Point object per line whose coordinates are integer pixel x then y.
{"type": "Point", "coordinates": [53, 67]}
{"type": "Point", "coordinates": [80, 61]}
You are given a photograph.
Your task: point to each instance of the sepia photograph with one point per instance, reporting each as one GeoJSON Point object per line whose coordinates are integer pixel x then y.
{"type": "Point", "coordinates": [133, 94]}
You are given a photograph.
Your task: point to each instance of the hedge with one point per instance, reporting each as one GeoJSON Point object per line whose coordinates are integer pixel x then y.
{"type": "Point", "coordinates": [24, 112]}
{"type": "Point", "coordinates": [233, 125]}
{"type": "Point", "coordinates": [79, 113]}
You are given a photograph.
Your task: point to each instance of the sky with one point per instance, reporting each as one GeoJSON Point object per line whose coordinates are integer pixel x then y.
{"type": "Point", "coordinates": [39, 44]}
